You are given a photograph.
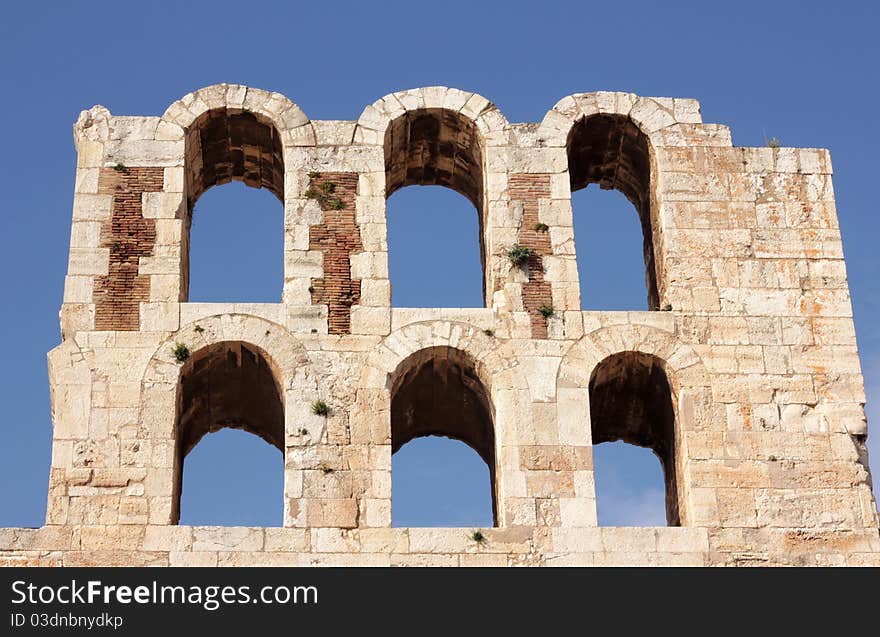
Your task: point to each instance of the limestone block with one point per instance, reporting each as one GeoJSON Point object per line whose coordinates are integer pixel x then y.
{"type": "Point", "coordinates": [78, 289]}
{"type": "Point", "coordinates": [90, 154]}
{"type": "Point", "coordinates": [375, 292]}
{"type": "Point", "coordinates": [142, 152]}
{"type": "Point", "coordinates": [576, 512]}
{"type": "Point", "coordinates": [88, 262]}
{"type": "Point", "coordinates": [308, 263]}
{"type": "Point", "coordinates": [341, 513]}
{"type": "Point", "coordinates": [164, 205]}
{"type": "Point", "coordinates": [160, 316]}
{"type": "Point", "coordinates": [214, 538]}
{"type": "Point", "coordinates": [370, 320]}
{"type": "Point", "coordinates": [369, 265]}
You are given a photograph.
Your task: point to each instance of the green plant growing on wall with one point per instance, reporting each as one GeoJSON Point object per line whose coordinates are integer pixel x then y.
{"type": "Point", "coordinates": [478, 537]}
{"type": "Point", "coordinates": [547, 311]}
{"type": "Point", "coordinates": [518, 254]}
{"type": "Point", "coordinates": [323, 193]}
{"type": "Point", "coordinates": [180, 352]}
{"type": "Point", "coordinates": [320, 408]}
{"type": "Point", "coordinates": [541, 227]}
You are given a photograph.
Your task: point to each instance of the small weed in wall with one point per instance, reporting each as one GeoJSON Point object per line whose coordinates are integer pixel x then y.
{"type": "Point", "coordinates": [181, 352]}
{"type": "Point", "coordinates": [488, 332]}
{"type": "Point", "coordinates": [666, 308]}
{"type": "Point", "coordinates": [541, 227]}
{"type": "Point", "coordinates": [773, 143]}
{"type": "Point", "coordinates": [547, 311]}
{"type": "Point", "coordinates": [325, 470]}
{"type": "Point", "coordinates": [322, 194]}
{"type": "Point", "coordinates": [478, 537]}
{"type": "Point", "coordinates": [320, 408]}
{"type": "Point", "coordinates": [303, 432]}
{"type": "Point", "coordinates": [198, 329]}
{"type": "Point", "coordinates": [518, 254]}
{"type": "Point", "coordinates": [119, 167]}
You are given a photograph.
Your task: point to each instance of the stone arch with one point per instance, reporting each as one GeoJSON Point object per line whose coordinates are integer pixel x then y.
{"type": "Point", "coordinates": [211, 398]}
{"type": "Point", "coordinates": [276, 354]}
{"type": "Point", "coordinates": [650, 114]}
{"type": "Point", "coordinates": [438, 136]}
{"type": "Point", "coordinates": [437, 391]}
{"type": "Point", "coordinates": [681, 360]}
{"type": "Point", "coordinates": [681, 366]}
{"type": "Point", "coordinates": [495, 367]}
{"type": "Point", "coordinates": [293, 124]}
{"type": "Point", "coordinates": [293, 365]}
{"type": "Point", "coordinates": [233, 133]}
{"type": "Point", "coordinates": [631, 400]}
{"type": "Point", "coordinates": [496, 363]}
{"type": "Point", "coordinates": [610, 140]}
{"type": "Point", "coordinates": [487, 118]}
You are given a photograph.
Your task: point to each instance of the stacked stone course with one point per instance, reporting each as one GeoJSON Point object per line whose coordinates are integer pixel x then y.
{"type": "Point", "coordinates": [754, 357]}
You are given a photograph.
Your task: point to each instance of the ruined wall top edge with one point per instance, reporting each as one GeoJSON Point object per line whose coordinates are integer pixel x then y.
{"type": "Point", "coordinates": [651, 114]}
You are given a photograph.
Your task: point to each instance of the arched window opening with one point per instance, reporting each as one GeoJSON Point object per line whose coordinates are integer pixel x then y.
{"type": "Point", "coordinates": [607, 236]}
{"type": "Point", "coordinates": [433, 249]}
{"type": "Point", "coordinates": [437, 147]}
{"type": "Point", "coordinates": [232, 479]}
{"type": "Point", "coordinates": [611, 151]}
{"type": "Point", "coordinates": [630, 488]}
{"type": "Point", "coordinates": [237, 246]}
{"type": "Point", "coordinates": [235, 230]}
{"type": "Point", "coordinates": [227, 385]}
{"type": "Point", "coordinates": [438, 392]}
{"type": "Point", "coordinates": [438, 481]}
{"type": "Point", "coordinates": [631, 400]}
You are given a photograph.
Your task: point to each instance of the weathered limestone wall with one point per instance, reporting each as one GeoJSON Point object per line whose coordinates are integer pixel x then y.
{"type": "Point", "coordinates": [752, 328]}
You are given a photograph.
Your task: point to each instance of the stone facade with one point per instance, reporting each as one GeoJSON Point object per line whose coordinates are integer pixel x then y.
{"type": "Point", "coordinates": [744, 377]}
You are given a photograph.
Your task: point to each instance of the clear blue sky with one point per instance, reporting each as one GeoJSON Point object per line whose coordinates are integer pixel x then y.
{"type": "Point", "coordinates": [803, 72]}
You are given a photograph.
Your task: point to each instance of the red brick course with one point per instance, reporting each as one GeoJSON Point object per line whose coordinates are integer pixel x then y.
{"type": "Point", "coordinates": [117, 296]}
{"type": "Point", "coordinates": [528, 189]}
{"type": "Point", "coordinates": [338, 238]}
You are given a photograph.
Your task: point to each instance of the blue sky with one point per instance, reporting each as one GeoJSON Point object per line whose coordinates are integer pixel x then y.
{"type": "Point", "coordinates": [802, 72]}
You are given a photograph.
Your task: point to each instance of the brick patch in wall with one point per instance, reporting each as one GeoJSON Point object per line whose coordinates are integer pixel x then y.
{"type": "Point", "coordinates": [117, 296]}
{"type": "Point", "coordinates": [528, 189]}
{"type": "Point", "coordinates": [338, 238]}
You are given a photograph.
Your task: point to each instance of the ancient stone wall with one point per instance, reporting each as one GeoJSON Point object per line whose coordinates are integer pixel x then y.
{"type": "Point", "coordinates": [744, 377]}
